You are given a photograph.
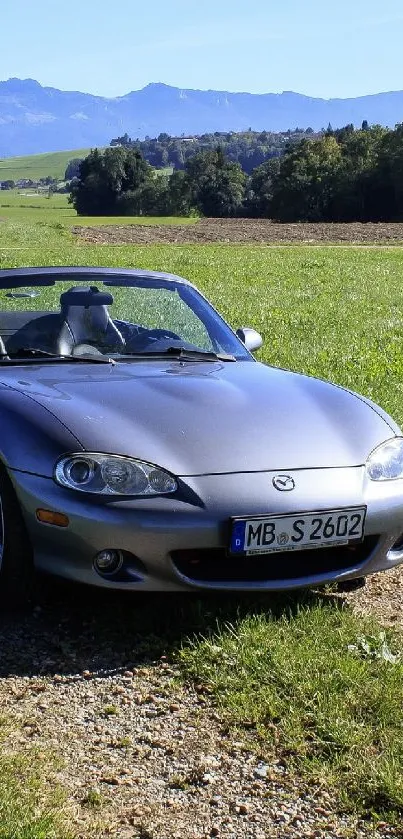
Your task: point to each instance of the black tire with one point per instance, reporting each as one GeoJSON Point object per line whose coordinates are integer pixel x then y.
{"type": "Point", "coordinates": [16, 565]}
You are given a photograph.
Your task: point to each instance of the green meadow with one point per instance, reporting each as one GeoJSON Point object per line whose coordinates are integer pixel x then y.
{"type": "Point", "coordinates": [31, 207]}
{"type": "Point", "coordinates": [36, 166]}
{"type": "Point", "coordinates": [299, 677]}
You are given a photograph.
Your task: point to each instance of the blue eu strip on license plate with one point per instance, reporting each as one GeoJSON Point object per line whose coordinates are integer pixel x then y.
{"type": "Point", "coordinates": [238, 537]}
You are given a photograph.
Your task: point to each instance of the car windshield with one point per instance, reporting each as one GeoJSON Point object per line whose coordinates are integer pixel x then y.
{"type": "Point", "coordinates": [107, 315]}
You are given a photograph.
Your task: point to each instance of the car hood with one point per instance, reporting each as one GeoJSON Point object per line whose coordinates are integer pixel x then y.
{"type": "Point", "coordinates": [196, 418]}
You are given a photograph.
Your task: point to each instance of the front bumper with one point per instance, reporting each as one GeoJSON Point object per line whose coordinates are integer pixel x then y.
{"type": "Point", "coordinates": [153, 532]}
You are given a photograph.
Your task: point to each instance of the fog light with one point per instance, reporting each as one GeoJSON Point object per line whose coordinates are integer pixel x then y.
{"type": "Point", "coordinates": [108, 562]}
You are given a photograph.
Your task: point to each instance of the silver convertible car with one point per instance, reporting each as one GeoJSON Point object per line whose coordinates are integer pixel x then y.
{"type": "Point", "coordinates": [142, 446]}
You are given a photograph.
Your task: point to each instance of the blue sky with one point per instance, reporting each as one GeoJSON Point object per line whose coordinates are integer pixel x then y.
{"type": "Point", "coordinates": [317, 47]}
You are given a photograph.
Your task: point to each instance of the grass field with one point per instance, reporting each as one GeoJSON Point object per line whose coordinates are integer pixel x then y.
{"type": "Point", "coordinates": [38, 166]}
{"type": "Point", "coordinates": [309, 681]}
{"type": "Point", "coordinates": [29, 207]}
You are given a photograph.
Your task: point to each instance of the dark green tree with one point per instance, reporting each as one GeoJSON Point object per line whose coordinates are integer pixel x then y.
{"type": "Point", "coordinates": [332, 178]}
{"type": "Point", "coordinates": [151, 198]}
{"type": "Point", "coordinates": [216, 186]}
{"type": "Point", "coordinates": [179, 194]}
{"type": "Point", "coordinates": [106, 177]}
{"type": "Point", "coordinates": [259, 193]}
{"type": "Point", "coordinates": [304, 188]}
{"type": "Point", "coordinates": [387, 187]}
{"type": "Point", "coordinates": [354, 197]}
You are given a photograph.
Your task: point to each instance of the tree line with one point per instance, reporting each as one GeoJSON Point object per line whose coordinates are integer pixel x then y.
{"type": "Point", "coordinates": [118, 181]}
{"type": "Point", "coordinates": [248, 148]}
{"type": "Point", "coordinates": [342, 175]}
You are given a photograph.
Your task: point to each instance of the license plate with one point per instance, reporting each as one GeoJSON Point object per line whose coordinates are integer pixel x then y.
{"type": "Point", "coordinates": [300, 531]}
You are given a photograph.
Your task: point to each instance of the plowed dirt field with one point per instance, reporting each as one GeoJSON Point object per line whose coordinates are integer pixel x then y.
{"type": "Point", "coordinates": [248, 231]}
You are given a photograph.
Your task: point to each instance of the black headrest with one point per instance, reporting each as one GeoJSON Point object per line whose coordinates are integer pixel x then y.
{"type": "Point", "coordinates": [85, 296]}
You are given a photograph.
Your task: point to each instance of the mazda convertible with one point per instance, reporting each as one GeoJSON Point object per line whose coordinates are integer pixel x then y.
{"type": "Point", "coordinates": [143, 447]}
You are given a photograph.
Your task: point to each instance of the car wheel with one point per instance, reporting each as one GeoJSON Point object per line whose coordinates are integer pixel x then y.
{"type": "Point", "coordinates": [16, 567]}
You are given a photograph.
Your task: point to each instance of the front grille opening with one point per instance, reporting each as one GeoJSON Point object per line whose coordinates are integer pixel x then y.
{"type": "Point", "coordinates": [216, 565]}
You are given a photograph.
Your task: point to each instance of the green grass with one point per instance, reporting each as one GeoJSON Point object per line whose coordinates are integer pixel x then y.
{"type": "Point", "coordinates": [32, 199]}
{"type": "Point", "coordinates": [32, 806]}
{"type": "Point", "coordinates": [302, 682]}
{"type": "Point", "coordinates": [312, 695]}
{"type": "Point", "coordinates": [37, 166]}
{"type": "Point", "coordinates": [30, 207]}
{"type": "Point", "coordinates": [100, 221]}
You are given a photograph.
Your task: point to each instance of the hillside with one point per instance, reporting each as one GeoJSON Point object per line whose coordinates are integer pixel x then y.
{"type": "Point", "coordinates": [35, 119]}
{"type": "Point", "coordinates": [38, 166]}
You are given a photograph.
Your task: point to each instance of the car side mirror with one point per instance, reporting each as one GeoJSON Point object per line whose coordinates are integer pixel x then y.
{"type": "Point", "coordinates": [252, 340]}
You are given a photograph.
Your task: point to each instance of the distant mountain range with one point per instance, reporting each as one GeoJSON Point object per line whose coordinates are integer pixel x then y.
{"type": "Point", "coordinates": [35, 119]}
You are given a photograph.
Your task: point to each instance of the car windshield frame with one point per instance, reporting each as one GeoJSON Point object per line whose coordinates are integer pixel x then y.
{"type": "Point", "coordinates": [224, 340]}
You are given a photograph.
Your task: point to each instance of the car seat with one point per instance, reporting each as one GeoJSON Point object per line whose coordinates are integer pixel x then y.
{"type": "Point", "coordinates": [86, 322]}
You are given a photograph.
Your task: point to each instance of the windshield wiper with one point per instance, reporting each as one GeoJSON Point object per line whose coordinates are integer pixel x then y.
{"type": "Point", "coordinates": [27, 353]}
{"type": "Point", "coordinates": [183, 354]}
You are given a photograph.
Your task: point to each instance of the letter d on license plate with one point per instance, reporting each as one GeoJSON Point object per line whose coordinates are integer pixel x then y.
{"type": "Point", "coordinates": [300, 531]}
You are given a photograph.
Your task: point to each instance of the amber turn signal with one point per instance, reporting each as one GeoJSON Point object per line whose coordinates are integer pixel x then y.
{"type": "Point", "coordinates": [50, 517]}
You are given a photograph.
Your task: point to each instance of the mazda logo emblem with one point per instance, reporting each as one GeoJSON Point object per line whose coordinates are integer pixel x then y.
{"type": "Point", "coordinates": [284, 483]}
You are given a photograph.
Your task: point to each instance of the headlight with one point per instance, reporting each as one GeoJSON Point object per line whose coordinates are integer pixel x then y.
{"type": "Point", "coordinates": [109, 474]}
{"type": "Point", "coordinates": [386, 462]}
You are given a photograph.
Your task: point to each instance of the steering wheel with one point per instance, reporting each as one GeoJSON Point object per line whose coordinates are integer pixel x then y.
{"type": "Point", "coordinates": [150, 336]}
